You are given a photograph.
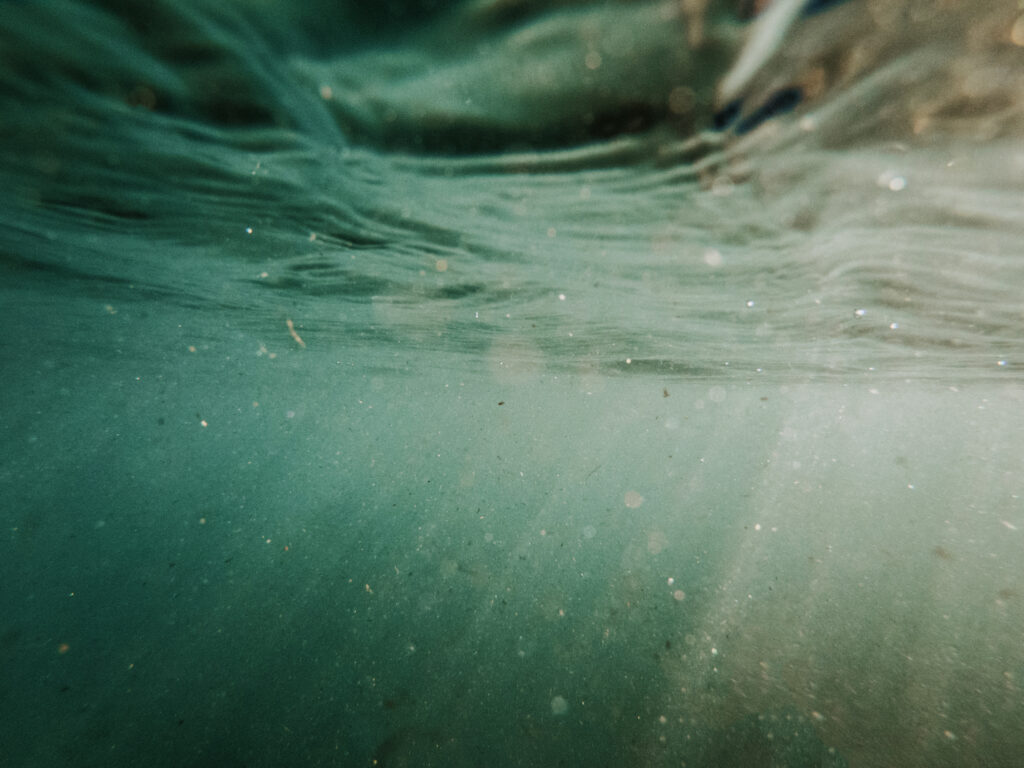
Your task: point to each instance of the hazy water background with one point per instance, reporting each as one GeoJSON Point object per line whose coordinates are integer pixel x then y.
{"type": "Point", "coordinates": [431, 387]}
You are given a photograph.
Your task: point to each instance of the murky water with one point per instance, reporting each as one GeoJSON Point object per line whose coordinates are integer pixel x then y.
{"type": "Point", "coordinates": [512, 383]}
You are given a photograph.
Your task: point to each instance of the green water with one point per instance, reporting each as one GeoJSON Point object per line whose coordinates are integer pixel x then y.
{"type": "Point", "coordinates": [333, 440]}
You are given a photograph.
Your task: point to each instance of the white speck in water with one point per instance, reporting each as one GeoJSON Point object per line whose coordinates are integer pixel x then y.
{"type": "Point", "coordinates": [1017, 31]}
{"type": "Point", "coordinates": [559, 705]}
{"type": "Point", "coordinates": [713, 257]}
{"type": "Point", "coordinates": [859, 312]}
{"type": "Point", "coordinates": [633, 499]}
{"type": "Point", "coordinates": [892, 181]}
{"type": "Point", "coordinates": [589, 531]}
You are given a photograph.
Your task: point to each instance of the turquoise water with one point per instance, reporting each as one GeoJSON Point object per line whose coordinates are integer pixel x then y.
{"type": "Point", "coordinates": [430, 386]}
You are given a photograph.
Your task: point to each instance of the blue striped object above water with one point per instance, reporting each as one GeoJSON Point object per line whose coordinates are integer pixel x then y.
{"type": "Point", "coordinates": [744, 106]}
